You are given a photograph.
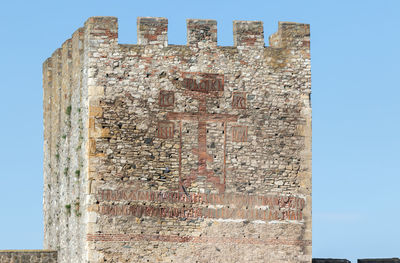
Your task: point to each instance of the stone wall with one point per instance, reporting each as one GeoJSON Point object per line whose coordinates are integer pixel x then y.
{"type": "Point", "coordinates": [65, 136]}
{"type": "Point", "coordinates": [371, 260]}
{"type": "Point", "coordinates": [195, 153]}
{"type": "Point", "coordinates": [28, 256]}
{"type": "Point", "coordinates": [329, 260]}
{"type": "Point", "coordinates": [379, 260]}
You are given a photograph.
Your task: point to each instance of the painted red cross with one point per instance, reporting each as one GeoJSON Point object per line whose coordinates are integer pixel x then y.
{"type": "Point", "coordinates": [202, 117]}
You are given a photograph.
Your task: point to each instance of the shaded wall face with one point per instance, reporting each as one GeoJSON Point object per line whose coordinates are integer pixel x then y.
{"type": "Point", "coordinates": [199, 153]}
{"type": "Point", "coordinates": [64, 162]}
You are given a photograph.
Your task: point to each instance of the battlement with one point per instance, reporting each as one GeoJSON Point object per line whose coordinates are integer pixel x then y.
{"type": "Point", "coordinates": [201, 33]}
{"type": "Point", "coordinates": [291, 34]}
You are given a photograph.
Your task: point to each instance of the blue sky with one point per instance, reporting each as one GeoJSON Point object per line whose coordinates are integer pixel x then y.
{"type": "Point", "coordinates": [355, 92]}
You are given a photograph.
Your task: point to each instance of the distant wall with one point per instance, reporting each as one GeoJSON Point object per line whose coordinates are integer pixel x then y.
{"type": "Point", "coordinates": [28, 256]}
{"type": "Point", "coordinates": [379, 260]}
{"type": "Point", "coordinates": [329, 260]}
{"type": "Point", "coordinates": [371, 260]}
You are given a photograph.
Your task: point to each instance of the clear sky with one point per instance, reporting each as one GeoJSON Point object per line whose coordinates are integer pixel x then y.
{"type": "Point", "coordinates": [355, 54]}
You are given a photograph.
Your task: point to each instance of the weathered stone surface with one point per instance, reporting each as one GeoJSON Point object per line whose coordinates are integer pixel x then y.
{"type": "Point", "coordinates": [165, 153]}
{"type": "Point", "coordinates": [28, 256]}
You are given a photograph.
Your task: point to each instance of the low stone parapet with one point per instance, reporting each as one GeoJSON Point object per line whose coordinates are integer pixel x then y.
{"type": "Point", "coordinates": [379, 260]}
{"type": "Point", "coordinates": [28, 256]}
{"type": "Point", "coordinates": [330, 260]}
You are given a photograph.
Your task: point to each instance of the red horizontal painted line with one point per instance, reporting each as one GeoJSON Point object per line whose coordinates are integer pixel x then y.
{"type": "Point", "coordinates": [290, 202]}
{"type": "Point", "coordinates": [181, 212]}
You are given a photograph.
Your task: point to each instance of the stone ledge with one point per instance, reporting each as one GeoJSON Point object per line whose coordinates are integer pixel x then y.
{"type": "Point", "coordinates": [28, 256]}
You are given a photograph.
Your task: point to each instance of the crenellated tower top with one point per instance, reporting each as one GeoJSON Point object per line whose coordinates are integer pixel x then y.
{"type": "Point", "coordinates": [202, 32]}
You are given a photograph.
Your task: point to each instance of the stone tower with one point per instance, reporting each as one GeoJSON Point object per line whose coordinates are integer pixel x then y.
{"type": "Point", "coordinates": [167, 153]}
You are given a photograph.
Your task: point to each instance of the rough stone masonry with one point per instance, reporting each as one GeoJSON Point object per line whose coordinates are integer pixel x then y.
{"type": "Point", "coordinates": [178, 153]}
